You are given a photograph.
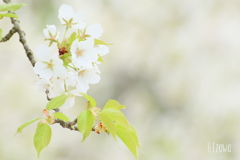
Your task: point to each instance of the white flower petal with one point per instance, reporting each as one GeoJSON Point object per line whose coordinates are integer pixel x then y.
{"type": "Point", "coordinates": [65, 12]}
{"type": "Point", "coordinates": [43, 84]}
{"type": "Point", "coordinates": [60, 71]}
{"type": "Point", "coordinates": [52, 29]}
{"type": "Point", "coordinates": [60, 83]}
{"type": "Point", "coordinates": [43, 53]}
{"type": "Point", "coordinates": [69, 102]}
{"type": "Point", "coordinates": [91, 54]}
{"type": "Point", "coordinates": [47, 73]}
{"type": "Point", "coordinates": [76, 62]}
{"type": "Point", "coordinates": [92, 78]}
{"type": "Point", "coordinates": [56, 60]}
{"type": "Point", "coordinates": [78, 16]}
{"type": "Point", "coordinates": [102, 50]}
{"type": "Point", "coordinates": [46, 34]}
{"type": "Point", "coordinates": [80, 25]}
{"type": "Point", "coordinates": [87, 44]}
{"type": "Point", "coordinates": [96, 69]}
{"type": "Point", "coordinates": [39, 67]}
{"type": "Point", "coordinates": [71, 78]}
{"type": "Point", "coordinates": [83, 61]}
{"type": "Point", "coordinates": [95, 30]}
{"type": "Point", "coordinates": [82, 85]}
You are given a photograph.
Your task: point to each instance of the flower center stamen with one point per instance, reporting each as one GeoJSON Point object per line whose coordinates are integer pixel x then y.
{"type": "Point", "coordinates": [49, 65]}
{"type": "Point", "coordinates": [80, 52]}
{"type": "Point", "coordinates": [83, 73]}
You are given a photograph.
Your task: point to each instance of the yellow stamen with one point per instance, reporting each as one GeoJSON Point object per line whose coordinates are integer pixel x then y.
{"type": "Point", "coordinates": [49, 65]}
{"type": "Point", "coordinates": [82, 73]}
{"type": "Point", "coordinates": [80, 52]}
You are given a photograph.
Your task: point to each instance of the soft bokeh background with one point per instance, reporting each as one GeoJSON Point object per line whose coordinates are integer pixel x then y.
{"type": "Point", "coordinates": [175, 64]}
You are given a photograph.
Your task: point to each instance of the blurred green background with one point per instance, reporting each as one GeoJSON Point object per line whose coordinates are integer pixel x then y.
{"type": "Point", "coordinates": [174, 63]}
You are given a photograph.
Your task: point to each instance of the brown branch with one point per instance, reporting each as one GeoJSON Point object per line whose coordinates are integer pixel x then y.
{"type": "Point", "coordinates": [70, 125]}
{"type": "Point", "coordinates": [9, 35]}
{"type": "Point", "coordinates": [22, 38]}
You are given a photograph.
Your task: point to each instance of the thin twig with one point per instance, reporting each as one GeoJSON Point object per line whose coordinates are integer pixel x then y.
{"type": "Point", "coordinates": [9, 35]}
{"type": "Point", "coordinates": [22, 38]}
{"type": "Point", "coordinates": [70, 125]}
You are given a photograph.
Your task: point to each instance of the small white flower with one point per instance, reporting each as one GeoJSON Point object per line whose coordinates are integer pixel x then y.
{"type": "Point", "coordinates": [87, 76]}
{"type": "Point", "coordinates": [44, 84]}
{"type": "Point", "coordinates": [71, 98]}
{"type": "Point", "coordinates": [70, 80]}
{"type": "Point", "coordinates": [69, 18]}
{"type": "Point", "coordinates": [102, 50]}
{"type": "Point", "coordinates": [51, 32]}
{"type": "Point", "coordinates": [95, 30]}
{"type": "Point", "coordinates": [83, 53]}
{"type": "Point", "coordinates": [49, 65]}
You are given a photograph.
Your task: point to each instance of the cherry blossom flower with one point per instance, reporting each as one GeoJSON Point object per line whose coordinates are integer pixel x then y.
{"type": "Point", "coordinates": [83, 53]}
{"type": "Point", "coordinates": [100, 127]}
{"type": "Point", "coordinates": [44, 84]}
{"type": "Point", "coordinates": [49, 65]}
{"type": "Point", "coordinates": [69, 18]}
{"type": "Point", "coordinates": [73, 66]}
{"type": "Point", "coordinates": [51, 33]}
{"type": "Point", "coordinates": [70, 80]}
{"type": "Point", "coordinates": [87, 76]}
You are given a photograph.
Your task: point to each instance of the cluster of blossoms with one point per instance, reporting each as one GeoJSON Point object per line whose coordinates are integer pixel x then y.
{"type": "Point", "coordinates": [72, 66]}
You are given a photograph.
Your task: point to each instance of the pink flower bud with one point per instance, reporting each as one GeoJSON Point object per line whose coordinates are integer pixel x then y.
{"type": "Point", "coordinates": [44, 121]}
{"type": "Point", "coordinates": [45, 112]}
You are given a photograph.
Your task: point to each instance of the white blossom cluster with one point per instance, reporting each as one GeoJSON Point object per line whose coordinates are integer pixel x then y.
{"type": "Point", "coordinates": [74, 65]}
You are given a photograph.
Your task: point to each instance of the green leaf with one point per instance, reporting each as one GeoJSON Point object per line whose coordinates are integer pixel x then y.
{"type": "Point", "coordinates": [127, 139]}
{"type": "Point", "coordinates": [133, 132]}
{"type": "Point", "coordinates": [108, 122]}
{"type": "Point", "coordinates": [100, 59]}
{"type": "Point", "coordinates": [66, 59]}
{"type": "Point", "coordinates": [100, 42]}
{"type": "Point", "coordinates": [19, 130]}
{"type": "Point", "coordinates": [57, 102]}
{"type": "Point", "coordinates": [42, 137]}
{"type": "Point", "coordinates": [63, 43]}
{"type": "Point", "coordinates": [85, 123]}
{"type": "Point", "coordinates": [90, 99]}
{"type": "Point", "coordinates": [72, 38]}
{"type": "Point", "coordinates": [113, 104]}
{"type": "Point", "coordinates": [61, 116]}
{"type": "Point", "coordinates": [0, 34]}
{"type": "Point", "coordinates": [116, 116]}
{"type": "Point", "coordinates": [9, 15]}
{"type": "Point", "coordinates": [66, 55]}
{"type": "Point", "coordinates": [11, 7]}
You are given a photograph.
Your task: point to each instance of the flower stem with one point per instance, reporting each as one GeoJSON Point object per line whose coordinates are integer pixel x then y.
{"type": "Point", "coordinates": [65, 32]}
{"type": "Point", "coordinates": [65, 86]}
{"type": "Point", "coordinates": [72, 67]}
